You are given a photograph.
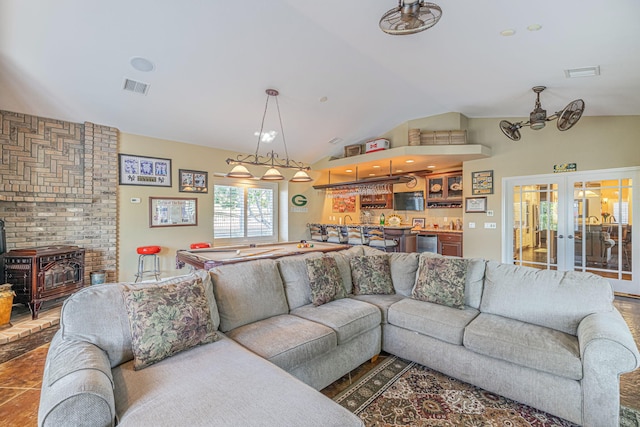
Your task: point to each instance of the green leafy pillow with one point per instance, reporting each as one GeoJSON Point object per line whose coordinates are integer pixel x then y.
{"type": "Point", "coordinates": [442, 281]}
{"type": "Point", "coordinates": [325, 280]}
{"type": "Point", "coordinates": [371, 275]}
{"type": "Point", "coordinates": [165, 320]}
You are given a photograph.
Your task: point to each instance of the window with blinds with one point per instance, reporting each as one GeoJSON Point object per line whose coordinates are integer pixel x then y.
{"type": "Point", "coordinates": [244, 211]}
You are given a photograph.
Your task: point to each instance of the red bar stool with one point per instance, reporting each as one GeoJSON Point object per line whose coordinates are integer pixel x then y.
{"type": "Point", "coordinates": [143, 253]}
{"type": "Point", "coordinates": [200, 245]}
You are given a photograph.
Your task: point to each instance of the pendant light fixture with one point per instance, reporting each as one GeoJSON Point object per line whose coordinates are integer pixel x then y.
{"type": "Point", "coordinates": [272, 160]}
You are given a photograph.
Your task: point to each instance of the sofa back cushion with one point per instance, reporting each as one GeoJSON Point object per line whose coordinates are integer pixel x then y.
{"type": "Point", "coordinates": [554, 299]}
{"type": "Point", "coordinates": [474, 281]}
{"type": "Point", "coordinates": [247, 292]}
{"type": "Point", "coordinates": [293, 271]}
{"type": "Point", "coordinates": [97, 314]}
{"type": "Point", "coordinates": [403, 271]}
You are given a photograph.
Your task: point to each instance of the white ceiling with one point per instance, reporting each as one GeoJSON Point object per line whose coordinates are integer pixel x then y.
{"type": "Point", "coordinates": [67, 59]}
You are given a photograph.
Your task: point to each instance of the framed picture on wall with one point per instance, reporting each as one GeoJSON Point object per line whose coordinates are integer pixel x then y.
{"type": "Point", "coordinates": [172, 211]}
{"type": "Point", "coordinates": [141, 170]}
{"type": "Point", "coordinates": [475, 204]}
{"type": "Point", "coordinates": [481, 183]}
{"type": "Point", "coordinates": [193, 181]}
{"type": "Point", "coordinates": [418, 222]}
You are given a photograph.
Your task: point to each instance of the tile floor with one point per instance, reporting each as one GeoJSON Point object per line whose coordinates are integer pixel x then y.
{"type": "Point", "coordinates": [21, 377]}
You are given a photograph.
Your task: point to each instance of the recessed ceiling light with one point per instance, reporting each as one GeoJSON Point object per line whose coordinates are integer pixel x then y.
{"type": "Point", "coordinates": [372, 174]}
{"type": "Point", "coordinates": [142, 64]}
{"type": "Point", "coordinates": [376, 166]}
{"type": "Point", "coordinates": [431, 167]}
{"type": "Point", "coordinates": [399, 170]}
{"type": "Point", "coordinates": [409, 161]}
{"type": "Point", "coordinates": [349, 170]}
{"type": "Point", "coordinates": [508, 32]}
{"type": "Point", "coordinates": [582, 72]}
{"type": "Point", "coordinates": [534, 27]}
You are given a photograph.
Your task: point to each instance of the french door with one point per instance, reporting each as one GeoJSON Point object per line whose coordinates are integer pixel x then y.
{"type": "Point", "coordinates": [575, 221]}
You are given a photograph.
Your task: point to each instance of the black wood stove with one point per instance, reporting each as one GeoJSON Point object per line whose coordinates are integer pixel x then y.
{"type": "Point", "coordinates": [43, 273]}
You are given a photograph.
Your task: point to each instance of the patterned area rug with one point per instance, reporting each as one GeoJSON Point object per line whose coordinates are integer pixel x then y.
{"type": "Point", "coordinates": [402, 393]}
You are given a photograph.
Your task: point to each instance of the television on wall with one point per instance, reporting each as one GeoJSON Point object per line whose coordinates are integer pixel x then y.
{"type": "Point", "coordinates": [408, 201]}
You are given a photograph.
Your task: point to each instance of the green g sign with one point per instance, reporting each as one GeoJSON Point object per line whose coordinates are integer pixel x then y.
{"type": "Point", "coordinates": [299, 200]}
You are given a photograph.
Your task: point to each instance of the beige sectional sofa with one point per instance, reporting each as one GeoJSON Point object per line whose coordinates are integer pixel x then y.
{"type": "Point", "coordinates": [548, 339]}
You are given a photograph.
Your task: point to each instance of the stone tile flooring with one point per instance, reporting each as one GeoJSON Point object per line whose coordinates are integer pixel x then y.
{"type": "Point", "coordinates": [21, 377]}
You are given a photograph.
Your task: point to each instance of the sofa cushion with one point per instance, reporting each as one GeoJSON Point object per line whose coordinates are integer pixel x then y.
{"type": "Point", "coordinates": [231, 386]}
{"type": "Point", "coordinates": [347, 317]}
{"type": "Point", "coordinates": [554, 299]}
{"type": "Point", "coordinates": [166, 320]}
{"type": "Point", "coordinates": [524, 344]}
{"type": "Point", "coordinates": [286, 340]}
{"type": "Point", "coordinates": [293, 270]}
{"type": "Point", "coordinates": [475, 278]}
{"type": "Point", "coordinates": [383, 302]}
{"type": "Point", "coordinates": [343, 259]}
{"type": "Point", "coordinates": [324, 280]}
{"type": "Point", "coordinates": [404, 266]}
{"type": "Point", "coordinates": [434, 320]}
{"type": "Point", "coordinates": [247, 292]}
{"type": "Point", "coordinates": [371, 275]}
{"type": "Point", "coordinates": [441, 281]}
{"type": "Point", "coordinates": [86, 317]}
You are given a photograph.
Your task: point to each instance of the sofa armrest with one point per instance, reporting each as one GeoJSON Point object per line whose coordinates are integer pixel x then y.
{"type": "Point", "coordinates": [605, 338]}
{"type": "Point", "coordinates": [77, 386]}
{"type": "Point", "coordinates": [607, 349]}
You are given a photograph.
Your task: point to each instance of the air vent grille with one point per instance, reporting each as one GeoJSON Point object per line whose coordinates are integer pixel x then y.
{"type": "Point", "coordinates": [135, 86]}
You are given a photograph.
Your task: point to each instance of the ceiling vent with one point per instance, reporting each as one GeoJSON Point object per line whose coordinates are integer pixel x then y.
{"type": "Point", "coordinates": [582, 72]}
{"type": "Point", "coordinates": [135, 86]}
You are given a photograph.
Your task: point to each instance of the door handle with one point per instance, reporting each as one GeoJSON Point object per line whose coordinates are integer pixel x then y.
{"type": "Point", "coordinates": [569, 237]}
{"type": "Point", "coordinates": [560, 236]}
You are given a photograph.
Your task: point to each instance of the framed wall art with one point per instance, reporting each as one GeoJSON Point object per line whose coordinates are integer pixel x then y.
{"type": "Point", "coordinates": [475, 204]}
{"type": "Point", "coordinates": [141, 170]}
{"type": "Point", "coordinates": [481, 183]}
{"type": "Point", "coordinates": [172, 211]}
{"type": "Point", "coordinates": [418, 222]}
{"type": "Point", "coordinates": [193, 181]}
{"type": "Point", "coordinates": [344, 204]}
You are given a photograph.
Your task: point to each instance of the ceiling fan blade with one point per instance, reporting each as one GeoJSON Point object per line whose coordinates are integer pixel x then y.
{"type": "Point", "coordinates": [511, 129]}
{"type": "Point", "coordinates": [570, 115]}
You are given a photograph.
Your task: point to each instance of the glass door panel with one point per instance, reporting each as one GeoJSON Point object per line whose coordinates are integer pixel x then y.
{"type": "Point", "coordinates": [602, 227]}
{"type": "Point", "coordinates": [535, 225]}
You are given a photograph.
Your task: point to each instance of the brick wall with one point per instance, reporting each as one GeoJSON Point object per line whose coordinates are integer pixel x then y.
{"type": "Point", "coordinates": [58, 183]}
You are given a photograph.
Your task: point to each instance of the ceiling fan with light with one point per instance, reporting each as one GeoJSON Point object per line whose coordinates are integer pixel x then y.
{"type": "Point", "coordinates": [410, 17]}
{"type": "Point", "coordinates": [567, 118]}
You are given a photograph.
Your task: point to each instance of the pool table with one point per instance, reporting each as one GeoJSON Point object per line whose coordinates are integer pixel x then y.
{"type": "Point", "coordinates": [207, 258]}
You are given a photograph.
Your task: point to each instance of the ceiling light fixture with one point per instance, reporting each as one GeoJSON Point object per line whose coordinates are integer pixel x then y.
{"type": "Point", "coordinates": [410, 17]}
{"type": "Point", "coordinates": [272, 159]}
{"type": "Point", "coordinates": [538, 117]}
{"type": "Point", "coordinates": [142, 64]}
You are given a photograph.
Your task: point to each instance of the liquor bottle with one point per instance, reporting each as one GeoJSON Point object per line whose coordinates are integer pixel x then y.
{"type": "Point", "coordinates": [381, 219]}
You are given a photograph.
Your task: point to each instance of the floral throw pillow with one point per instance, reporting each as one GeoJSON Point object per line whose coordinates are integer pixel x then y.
{"type": "Point", "coordinates": [441, 281]}
{"type": "Point", "coordinates": [166, 320]}
{"type": "Point", "coordinates": [371, 275]}
{"type": "Point", "coordinates": [325, 280]}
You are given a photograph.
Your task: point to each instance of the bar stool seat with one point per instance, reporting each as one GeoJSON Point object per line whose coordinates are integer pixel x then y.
{"type": "Point", "coordinates": [143, 253]}
{"type": "Point", "coordinates": [200, 245]}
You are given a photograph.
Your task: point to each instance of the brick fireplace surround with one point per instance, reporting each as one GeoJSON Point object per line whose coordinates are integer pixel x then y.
{"type": "Point", "coordinates": [58, 186]}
